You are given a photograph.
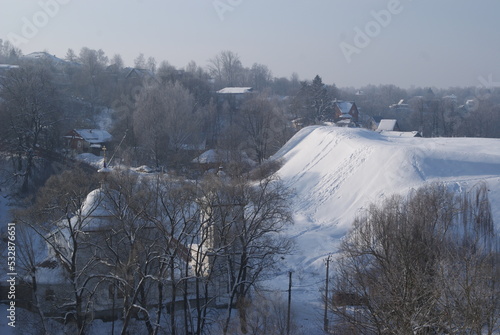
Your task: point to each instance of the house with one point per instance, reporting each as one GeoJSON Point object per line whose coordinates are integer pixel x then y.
{"type": "Point", "coordinates": [234, 96]}
{"type": "Point", "coordinates": [140, 74]}
{"type": "Point", "coordinates": [229, 101]}
{"type": "Point", "coordinates": [101, 229]}
{"type": "Point", "coordinates": [388, 125]}
{"type": "Point", "coordinates": [4, 68]}
{"type": "Point", "coordinates": [213, 159]}
{"type": "Point", "coordinates": [345, 113]}
{"type": "Point", "coordinates": [235, 90]}
{"type": "Point", "coordinates": [401, 133]}
{"type": "Point", "coordinates": [87, 140]}
{"type": "Point", "coordinates": [41, 56]}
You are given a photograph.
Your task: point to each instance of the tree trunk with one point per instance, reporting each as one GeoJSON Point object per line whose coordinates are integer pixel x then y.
{"type": "Point", "coordinates": [174, 297]}
{"type": "Point", "coordinates": [160, 305]}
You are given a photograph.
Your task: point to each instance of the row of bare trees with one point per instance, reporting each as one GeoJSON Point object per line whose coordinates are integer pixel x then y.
{"type": "Point", "coordinates": [156, 119]}
{"type": "Point", "coordinates": [178, 255]}
{"type": "Point", "coordinates": [423, 264]}
{"type": "Point", "coordinates": [30, 116]}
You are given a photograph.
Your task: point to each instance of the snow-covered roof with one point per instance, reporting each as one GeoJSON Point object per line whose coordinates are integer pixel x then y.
{"type": "Point", "coordinates": [99, 203]}
{"type": "Point", "coordinates": [401, 133]}
{"type": "Point", "coordinates": [139, 72]}
{"type": "Point", "coordinates": [8, 66]}
{"type": "Point", "coordinates": [344, 106]}
{"type": "Point", "coordinates": [214, 156]}
{"type": "Point", "coordinates": [93, 136]}
{"type": "Point", "coordinates": [44, 55]}
{"type": "Point", "coordinates": [387, 125]}
{"type": "Point", "coordinates": [235, 90]}
{"type": "Point", "coordinates": [209, 156]}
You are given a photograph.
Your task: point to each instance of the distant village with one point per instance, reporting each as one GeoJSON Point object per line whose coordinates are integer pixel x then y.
{"type": "Point", "coordinates": [146, 194]}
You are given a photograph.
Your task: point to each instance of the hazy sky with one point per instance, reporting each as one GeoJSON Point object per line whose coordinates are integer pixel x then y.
{"type": "Point", "coordinates": [438, 43]}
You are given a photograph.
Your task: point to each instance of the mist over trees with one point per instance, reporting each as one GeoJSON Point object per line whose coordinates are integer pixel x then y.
{"type": "Point", "coordinates": [183, 249]}
{"type": "Point", "coordinates": [91, 84]}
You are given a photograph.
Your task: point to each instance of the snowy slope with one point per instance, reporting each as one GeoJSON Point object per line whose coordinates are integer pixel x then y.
{"type": "Point", "coordinates": [336, 172]}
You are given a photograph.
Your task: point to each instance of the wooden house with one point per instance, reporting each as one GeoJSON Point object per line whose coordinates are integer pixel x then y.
{"type": "Point", "coordinates": [345, 112]}
{"type": "Point", "coordinates": [87, 140]}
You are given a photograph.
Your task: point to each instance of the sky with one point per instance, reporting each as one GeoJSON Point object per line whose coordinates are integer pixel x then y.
{"type": "Point", "coordinates": [349, 43]}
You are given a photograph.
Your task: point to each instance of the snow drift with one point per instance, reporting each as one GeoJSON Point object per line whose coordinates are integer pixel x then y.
{"type": "Point", "coordinates": [337, 172]}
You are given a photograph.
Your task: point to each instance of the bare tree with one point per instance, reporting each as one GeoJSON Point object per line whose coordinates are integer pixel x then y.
{"type": "Point", "coordinates": [129, 248]}
{"type": "Point", "coordinates": [165, 120]}
{"type": "Point", "coordinates": [118, 61]}
{"type": "Point", "coordinates": [226, 69]}
{"type": "Point", "coordinates": [140, 61]}
{"type": "Point", "coordinates": [264, 123]}
{"type": "Point", "coordinates": [90, 77]}
{"type": "Point", "coordinates": [395, 267]}
{"type": "Point", "coordinates": [71, 56]}
{"type": "Point", "coordinates": [53, 219]}
{"type": "Point", "coordinates": [9, 53]}
{"type": "Point", "coordinates": [151, 64]}
{"type": "Point", "coordinates": [30, 111]}
{"type": "Point", "coordinates": [245, 221]}
{"type": "Point", "coordinates": [260, 77]}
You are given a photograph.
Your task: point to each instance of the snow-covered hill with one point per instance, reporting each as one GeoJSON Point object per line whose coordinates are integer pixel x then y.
{"type": "Point", "coordinates": [336, 172]}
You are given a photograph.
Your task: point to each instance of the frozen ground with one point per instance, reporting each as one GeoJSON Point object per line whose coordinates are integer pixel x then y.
{"type": "Point", "coordinates": [336, 172]}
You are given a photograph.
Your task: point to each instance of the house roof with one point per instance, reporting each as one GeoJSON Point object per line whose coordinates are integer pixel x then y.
{"type": "Point", "coordinates": [41, 55]}
{"type": "Point", "coordinates": [92, 136]}
{"type": "Point", "coordinates": [214, 156]}
{"type": "Point", "coordinates": [387, 125]}
{"type": "Point", "coordinates": [344, 106]}
{"type": "Point", "coordinates": [235, 90]}
{"type": "Point", "coordinates": [8, 66]}
{"type": "Point", "coordinates": [401, 133]}
{"type": "Point", "coordinates": [209, 156]}
{"type": "Point", "coordinates": [139, 72]}
{"type": "Point", "coordinates": [99, 203]}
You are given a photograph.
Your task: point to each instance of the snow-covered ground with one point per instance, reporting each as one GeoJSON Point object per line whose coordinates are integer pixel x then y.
{"type": "Point", "coordinates": [336, 172]}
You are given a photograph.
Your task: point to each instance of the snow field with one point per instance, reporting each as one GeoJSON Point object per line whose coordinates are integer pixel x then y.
{"type": "Point", "coordinates": [337, 172]}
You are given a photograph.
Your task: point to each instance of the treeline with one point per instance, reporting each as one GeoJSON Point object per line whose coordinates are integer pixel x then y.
{"type": "Point", "coordinates": [162, 255]}
{"type": "Point", "coordinates": [427, 263]}
{"type": "Point", "coordinates": [164, 116]}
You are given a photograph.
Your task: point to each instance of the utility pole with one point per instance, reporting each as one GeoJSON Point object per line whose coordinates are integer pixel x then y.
{"type": "Point", "coordinates": [289, 302]}
{"type": "Point", "coordinates": [327, 280]}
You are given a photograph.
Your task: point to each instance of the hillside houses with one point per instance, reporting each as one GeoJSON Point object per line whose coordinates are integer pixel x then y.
{"type": "Point", "coordinates": [87, 140]}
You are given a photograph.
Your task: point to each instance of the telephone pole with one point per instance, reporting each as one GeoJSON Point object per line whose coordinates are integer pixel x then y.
{"type": "Point", "coordinates": [327, 280]}
{"type": "Point", "coordinates": [289, 302]}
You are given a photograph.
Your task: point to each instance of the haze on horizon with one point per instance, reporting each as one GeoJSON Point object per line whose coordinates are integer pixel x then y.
{"type": "Point", "coordinates": [350, 43]}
